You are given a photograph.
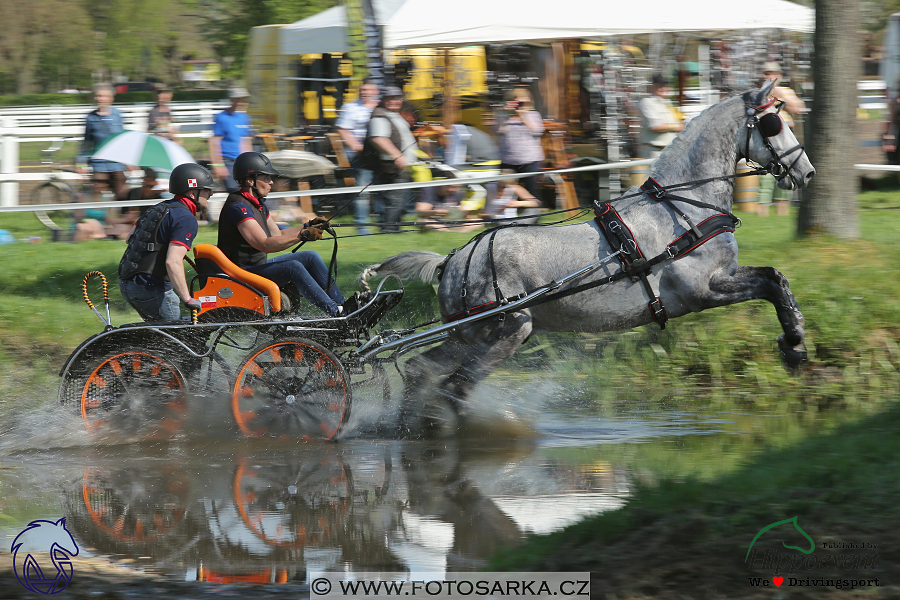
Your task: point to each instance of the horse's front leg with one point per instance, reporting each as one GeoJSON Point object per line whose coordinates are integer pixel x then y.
{"type": "Point", "coordinates": [766, 283]}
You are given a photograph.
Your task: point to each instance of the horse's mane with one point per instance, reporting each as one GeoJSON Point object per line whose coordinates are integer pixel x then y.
{"type": "Point", "coordinates": [706, 146]}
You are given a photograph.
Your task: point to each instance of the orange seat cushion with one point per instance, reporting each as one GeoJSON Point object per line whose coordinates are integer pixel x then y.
{"type": "Point", "coordinates": [266, 286]}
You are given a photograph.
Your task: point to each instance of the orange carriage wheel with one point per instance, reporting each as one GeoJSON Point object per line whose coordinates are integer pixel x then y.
{"type": "Point", "coordinates": [292, 388]}
{"type": "Point", "coordinates": [135, 392]}
{"type": "Point", "coordinates": [135, 519]}
{"type": "Point", "coordinates": [294, 506]}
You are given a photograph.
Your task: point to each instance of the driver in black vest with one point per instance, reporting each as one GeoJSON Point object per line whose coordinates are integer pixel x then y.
{"type": "Point", "coordinates": [151, 273]}
{"type": "Point", "coordinates": [247, 233]}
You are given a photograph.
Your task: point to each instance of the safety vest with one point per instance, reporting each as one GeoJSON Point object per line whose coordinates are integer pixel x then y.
{"type": "Point", "coordinates": [144, 254]}
{"type": "Point", "coordinates": [232, 243]}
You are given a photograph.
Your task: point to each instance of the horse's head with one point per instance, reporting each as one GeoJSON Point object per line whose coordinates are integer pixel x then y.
{"type": "Point", "coordinates": [768, 141]}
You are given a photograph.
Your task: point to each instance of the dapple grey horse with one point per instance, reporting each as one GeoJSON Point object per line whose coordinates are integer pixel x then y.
{"type": "Point", "coordinates": [527, 257]}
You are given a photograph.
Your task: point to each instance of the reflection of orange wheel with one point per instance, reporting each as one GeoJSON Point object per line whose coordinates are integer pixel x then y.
{"type": "Point", "coordinates": [291, 388]}
{"type": "Point", "coordinates": [136, 392]}
{"type": "Point", "coordinates": [127, 516]}
{"type": "Point", "coordinates": [294, 507]}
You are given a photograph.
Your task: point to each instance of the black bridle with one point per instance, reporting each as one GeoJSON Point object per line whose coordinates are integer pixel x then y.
{"type": "Point", "coordinates": [770, 125]}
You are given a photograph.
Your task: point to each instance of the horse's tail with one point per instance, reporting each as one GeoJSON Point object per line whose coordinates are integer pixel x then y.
{"type": "Point", "coordinates": [416, 264]}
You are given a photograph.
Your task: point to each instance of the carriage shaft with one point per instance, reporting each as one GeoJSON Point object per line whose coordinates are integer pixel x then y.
{"type": "Point", "coordinates": [418, 339]}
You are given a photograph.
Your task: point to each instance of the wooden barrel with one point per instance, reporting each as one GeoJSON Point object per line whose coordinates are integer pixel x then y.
{"type": "Point", "coordinates": [639, 174]}
{"type": "Point", "coordinates": [746, 190]}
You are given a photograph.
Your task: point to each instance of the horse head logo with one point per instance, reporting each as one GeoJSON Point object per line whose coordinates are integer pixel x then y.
{"type": "Point", "coordinates": [793, 520]}
{"type": "Point", "coordinates": [44, 536]}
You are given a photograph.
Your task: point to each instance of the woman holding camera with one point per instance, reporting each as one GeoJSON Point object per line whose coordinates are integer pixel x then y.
{"type": "Point", "coordinates": [520, 127]}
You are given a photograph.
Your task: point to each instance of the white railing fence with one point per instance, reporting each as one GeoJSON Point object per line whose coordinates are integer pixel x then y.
{"type": "Point", "coordinates": [195, 119]}
{"type": "Point", "coordinates": [53, 123]}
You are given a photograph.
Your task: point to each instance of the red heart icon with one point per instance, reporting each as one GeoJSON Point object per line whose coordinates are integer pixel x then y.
{"type": "Point", "coordinates": [778, 581]}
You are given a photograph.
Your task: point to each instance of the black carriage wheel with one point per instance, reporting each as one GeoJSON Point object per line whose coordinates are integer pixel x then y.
{"type": "Point", "coordinates": [137, 391]}
{"type": "Point", "coordinates": [293, 388]}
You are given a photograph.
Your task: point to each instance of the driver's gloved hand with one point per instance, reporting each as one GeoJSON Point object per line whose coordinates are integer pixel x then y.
{"type": "Point", "coordinates": [193, 304]}
{"type": "Point", "coordinates": [311, 234]}
{"type": "Point", "coordinates": [320, 223]}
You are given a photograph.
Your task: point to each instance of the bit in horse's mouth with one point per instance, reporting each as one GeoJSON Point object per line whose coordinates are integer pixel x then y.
{"type": "Point", "coordinates": [791, 182]}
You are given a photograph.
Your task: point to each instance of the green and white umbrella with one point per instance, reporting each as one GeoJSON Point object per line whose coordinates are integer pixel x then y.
{"type": "Point", "coordinates": [141, 149]}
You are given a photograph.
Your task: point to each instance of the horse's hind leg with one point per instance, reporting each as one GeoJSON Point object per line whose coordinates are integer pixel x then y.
{"type": "Point", "coordinates": [766, 283]}
{"type": "Point", "coordinates": [443, 405]}
{"type": "Point", "coordinates": [421, 375]}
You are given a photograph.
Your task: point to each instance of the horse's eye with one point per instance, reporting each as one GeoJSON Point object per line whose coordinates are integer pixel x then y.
{"type": "Point", "coordinates": [770, 125]}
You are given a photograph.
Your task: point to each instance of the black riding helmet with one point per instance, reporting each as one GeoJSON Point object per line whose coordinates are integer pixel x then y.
{"type": "Point", "coordinates": [251, 164]}
{"type": "Point", "coordinates": [190, 176]}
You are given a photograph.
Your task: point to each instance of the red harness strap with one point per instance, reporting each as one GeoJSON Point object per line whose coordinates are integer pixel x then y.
{"type": "Point", "coordinates": [620, 237]}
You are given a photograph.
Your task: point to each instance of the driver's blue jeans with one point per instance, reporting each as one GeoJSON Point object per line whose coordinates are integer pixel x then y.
{"type": "Point", "coordinates": [308, 273]}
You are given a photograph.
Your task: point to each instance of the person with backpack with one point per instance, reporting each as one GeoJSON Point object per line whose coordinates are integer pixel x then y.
{"type": "Point", "coordinates": [151, 272]}
{"type": "Point", "coordinates": [389, 150]}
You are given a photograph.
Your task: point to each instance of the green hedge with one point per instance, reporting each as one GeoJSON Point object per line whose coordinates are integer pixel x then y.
{"type": "Point", "coordinates": [123, 98]}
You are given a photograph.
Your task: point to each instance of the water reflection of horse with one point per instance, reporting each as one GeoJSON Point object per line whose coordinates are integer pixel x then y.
{"type": "Point", "coordinates": [520, 259]}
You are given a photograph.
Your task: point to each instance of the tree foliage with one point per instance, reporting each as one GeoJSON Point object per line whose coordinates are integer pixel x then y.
{"type": "Point", "coordinates": [48, 45]}
{"type": "Point", "coordinates": [227, 23]}
{"type": "Point", "coordinates": [44, 43]}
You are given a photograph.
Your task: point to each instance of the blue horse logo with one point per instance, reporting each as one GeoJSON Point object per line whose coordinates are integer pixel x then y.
{"type": "Point", "coordinates": [44, 536]}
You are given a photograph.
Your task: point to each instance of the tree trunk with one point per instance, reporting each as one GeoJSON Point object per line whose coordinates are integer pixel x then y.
{"type": "Point", "coordinates": [828, 204]}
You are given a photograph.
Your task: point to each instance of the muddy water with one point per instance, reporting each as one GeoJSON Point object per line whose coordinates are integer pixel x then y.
{"type": "Point", "coordinates": [213, 506]}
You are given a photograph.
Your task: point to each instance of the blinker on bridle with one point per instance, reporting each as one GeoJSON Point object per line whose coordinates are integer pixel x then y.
{"type": "Point", "coordinates": [770, 125]}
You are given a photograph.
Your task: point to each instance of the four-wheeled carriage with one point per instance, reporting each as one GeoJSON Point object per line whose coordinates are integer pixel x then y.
{"type": "Point", "coordinates": [286, 375]}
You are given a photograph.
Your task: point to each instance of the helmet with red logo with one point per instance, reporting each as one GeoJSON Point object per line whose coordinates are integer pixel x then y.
{"type": "Point", "coordinates": [190, 176]}
{"type": "Point", "coordinates": [251, 164]}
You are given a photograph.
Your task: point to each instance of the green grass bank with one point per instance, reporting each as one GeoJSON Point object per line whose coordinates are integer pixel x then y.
{"type": "Point", "coordinates": [690, 538]}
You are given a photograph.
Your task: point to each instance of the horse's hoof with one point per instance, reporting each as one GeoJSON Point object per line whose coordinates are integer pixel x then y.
{"type": "Point", "coordinates": [792, 357]}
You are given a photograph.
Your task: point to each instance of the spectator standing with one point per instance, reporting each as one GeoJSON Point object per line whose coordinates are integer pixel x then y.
{"type": "Point", "coordinates": [793, 106]}
{"type": "Point", "coordinates": [351, 126]}
{"type": "Point", "coordinates": [392, 149]}
{"type": "Point", "coordinates": [659, 121]}
{"type": "Point", "coordinates": [159, 120]}
{"type": "Point", "coordinates": [520, 128]}
{"type": "Point", "coordinates": [231, 137]}
{"type": "Point", "coordinates": [100, 124]}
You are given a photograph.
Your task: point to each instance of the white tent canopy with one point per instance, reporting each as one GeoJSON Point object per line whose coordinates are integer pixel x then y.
{"type": "Point", "coordinates": [480, 21]}
{"type": "Point", "coordinates": [326, 32]}
{"type": "Point", "coordinates": [423, 23]}
{"type": "Point", "coordinates": [321, 33]}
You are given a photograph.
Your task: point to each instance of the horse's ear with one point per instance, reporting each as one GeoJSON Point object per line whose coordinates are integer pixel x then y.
{"type": "Point", "coordinates": [765, 92]}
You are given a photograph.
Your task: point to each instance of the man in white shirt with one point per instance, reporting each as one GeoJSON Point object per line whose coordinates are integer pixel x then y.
{"type": "Point", "coordinates": [660, 123]}
{"type": "Point", "coordinates": [351, 126]}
